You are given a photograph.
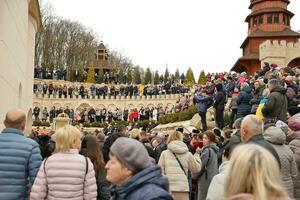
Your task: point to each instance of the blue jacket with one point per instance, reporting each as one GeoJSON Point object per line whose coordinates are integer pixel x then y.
{"type": "Point", "coordinates": [20, 159]}
{"type": "Point", "coordinates": [148, 184]}
{"type": "Point", "coordinates": [202, 102]}
{"type": "Point", "coordinates": [243, 101]}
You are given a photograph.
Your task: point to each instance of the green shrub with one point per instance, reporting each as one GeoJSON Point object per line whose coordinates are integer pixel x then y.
{"type": "Point", "coordinates": [119, 123]}
{"type": "Point", "coordinates": [96, 124]}
{"type": "Point", "coordinates": [75, 123]}
{"type": "Point", "coordinates": [86, 124]}
{"type": "Point", "coordinates": [227, 118]}
{"type": "Point", "coordinates": [36, 123]}
{"type": "Point", "coordinates": [180, 116]}
{"type": "Point", "coordinates": [47, 124]}
{"type": "Point", "coordinates": [103, 125]}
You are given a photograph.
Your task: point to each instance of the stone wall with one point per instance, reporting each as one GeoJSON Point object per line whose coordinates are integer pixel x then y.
{"type": "Point", "coordinates": [280, 53]}
{"type": "Point", "coordinates": [107, 102]}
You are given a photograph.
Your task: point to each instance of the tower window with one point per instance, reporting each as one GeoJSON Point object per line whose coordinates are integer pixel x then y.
{"type": "Point", "coordinates": [255, 21]}
{"type": "Point", "coordinates": [260, 20]}
{"type": "Point", "coordinates": [276, 19]}
{"type": "Point", "coordinates": [270, 19]}
{"type": "Point", "coordinates": [284, 19]}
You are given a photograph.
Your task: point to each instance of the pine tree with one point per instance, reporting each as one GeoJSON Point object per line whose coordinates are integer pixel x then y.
{"type": "Point", "coordinates": [189, 77]}
{"type": "Point", "coordinates": [156, 78]}
{"type": "Point", "coordinates": [121, 75]}
{"type": "Point", "coordinates": [161, 79]}
{"type": "Point", "coordinates": [137, 76]}
{"type": "Point", "coordinates": [91, 75]}
{"type": "Point", "coordinates": [100, 78]}
{"type": "Point", "coordinates": [202, 78]}
{"type": "Point", "coordinates": [148, 76]}
{"type": "Point", "coordinates": [129, 75]}
{"type": "Point", "coordinates": [177, 76]}
{"type": "Point", "coordinates": [166, 77]}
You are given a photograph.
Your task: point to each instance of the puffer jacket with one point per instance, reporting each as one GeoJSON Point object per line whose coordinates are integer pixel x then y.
{"type": "Point", "coordinates": [277, 104]}
{"type": "Point", "coordinates": [64, 177]}
{"type": "Point", "coordinates": [243, 101]}
{"type": "Point", "coordinates": [288, 168]}
{"type": "Point", "coordinates": [295, 147]}
{"type": "Point", "coordinates": [148, 184]}
{"type": "Point", "coordinates": [171, 168]}
{"type": "Point", "coordinates": [20, 159]}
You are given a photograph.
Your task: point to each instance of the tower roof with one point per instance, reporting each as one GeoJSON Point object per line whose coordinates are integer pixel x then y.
{"type": "Point", "coordinates": [101, 46]}
{"type": "Point", "coordinates": [261, 34]}
{"type": "Point", "coordinates": [253, 2]}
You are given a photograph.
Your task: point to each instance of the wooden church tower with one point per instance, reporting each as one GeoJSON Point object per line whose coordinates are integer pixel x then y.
{"type": "Point", "coordinates": [268, 20]}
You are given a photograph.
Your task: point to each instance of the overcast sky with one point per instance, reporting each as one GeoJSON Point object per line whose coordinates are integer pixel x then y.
{"type": "Point", "coordinates": [205, 35]}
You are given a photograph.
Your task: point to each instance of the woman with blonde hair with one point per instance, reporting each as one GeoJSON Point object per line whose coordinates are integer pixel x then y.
{"type": "Point", "coordinates": [253, 174]}
{"type": "Point", "coordinates": [65, 174]}
{"type": "Point", "coordinates": [175, 162]}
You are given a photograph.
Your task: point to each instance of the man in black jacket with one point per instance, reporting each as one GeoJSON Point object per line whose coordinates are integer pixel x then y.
{"type": "Point", "coordinates": [251, 132]}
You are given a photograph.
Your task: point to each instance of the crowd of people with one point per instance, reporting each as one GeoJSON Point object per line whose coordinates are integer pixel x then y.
{"type": "Point", "coordinates": [256, 157]}
{"type": "Point", "coordinates": [103, 115]}
{"type": "Point", "coordinates": [253, 161]}
{"type": "Point", "coordinates": [95, 90]}
{"type": "Point", "coordinates": [271, 93]}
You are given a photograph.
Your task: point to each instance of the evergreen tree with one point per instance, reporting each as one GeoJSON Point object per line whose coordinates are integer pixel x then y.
{"type": "Point", "coordinates": [129, 75]}
{"type": "Point", "coordinates": [120, 75]}
{"type": "Point", "coordinates": [166, 77]}
{"type": "Point", "coordinates": [156, 78]}
{"type": "Point", "coordinates": [137, 76]}
{"type": "Point", "coordinates": [177, 76]}
{"type": "Point", "coordinates": [202, 78]}
{"type": "Point", "coordinates": [189, 77]}
{"type": "Point", "coordinates": [90, 75]}
{"type": "Point", "coordinates": [148, 76]}
{"type": "Point", "coordinates": [161, 79]}
{"type": "Point", "coordinates": [100, 78]}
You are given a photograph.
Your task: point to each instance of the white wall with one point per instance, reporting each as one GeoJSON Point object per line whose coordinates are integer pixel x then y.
{"type": "Point", "coordinates": [17, 32]}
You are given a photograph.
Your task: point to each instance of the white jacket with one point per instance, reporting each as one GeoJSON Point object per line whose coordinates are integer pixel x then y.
{"type": "Point", "coordinates": [171, 168]}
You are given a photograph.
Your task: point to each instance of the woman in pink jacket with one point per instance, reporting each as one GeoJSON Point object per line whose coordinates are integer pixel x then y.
{"type": "Point", "coordinates": [65, 174]}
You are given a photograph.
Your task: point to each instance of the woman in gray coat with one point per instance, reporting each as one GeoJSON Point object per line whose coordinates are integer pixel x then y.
{"type": "Point", "coordinates": [209, 160]}
{"type": "Point", "coordinates": [289, 169]}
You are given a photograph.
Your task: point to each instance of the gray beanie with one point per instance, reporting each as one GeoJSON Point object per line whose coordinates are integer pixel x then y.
{"type": "Point", "coordinates": [131, 153]}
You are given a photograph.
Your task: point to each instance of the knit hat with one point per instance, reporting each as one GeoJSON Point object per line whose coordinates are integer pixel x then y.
{"type": "Point", "coordinates": [131, 153]}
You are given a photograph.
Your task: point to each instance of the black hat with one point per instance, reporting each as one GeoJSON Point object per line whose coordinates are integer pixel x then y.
{"type": "Point", "coordinates": [180, 129]}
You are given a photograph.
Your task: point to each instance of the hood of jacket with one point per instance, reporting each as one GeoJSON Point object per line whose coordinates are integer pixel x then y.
{"type": "Point", "coordinates": [247, 89]}
{"type": "Point", "coordinates": [150, 175]}
{"type": "Point", "coordinates": [212, 146]}
{"type": "Point", "coordinates": [280, 89]}
{"type": "Point", "coordinates": [275, 135]}
{"type": "Point", "coordinates": [178, 147]}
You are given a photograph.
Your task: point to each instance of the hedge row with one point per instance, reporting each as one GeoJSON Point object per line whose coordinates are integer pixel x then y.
{"type": "Point", "coordinates": [180, 116]}
{"type": "Point", "coordinates": [40, 123]}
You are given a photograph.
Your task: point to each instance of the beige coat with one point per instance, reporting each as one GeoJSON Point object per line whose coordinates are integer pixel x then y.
{"type": "Point", "coordinates": [171, 168]}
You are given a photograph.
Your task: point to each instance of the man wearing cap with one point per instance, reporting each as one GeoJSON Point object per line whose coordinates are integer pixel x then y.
{"type": "Point", "coordinates": [134, 176]}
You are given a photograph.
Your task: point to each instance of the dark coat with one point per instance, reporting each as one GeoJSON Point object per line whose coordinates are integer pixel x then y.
{"type": "Point", "coordinates": [276, 106]}
{"type": "Point", "coordinates": [148, 184]}
{"type": "Point", "coordinates": [220, 101]}
{"type": "Point", "coordinates": [243, 101]}
{"type": "Point", "coordinates": [259, 140]}
{"type": "Point", "coordinates": [209, 161]}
